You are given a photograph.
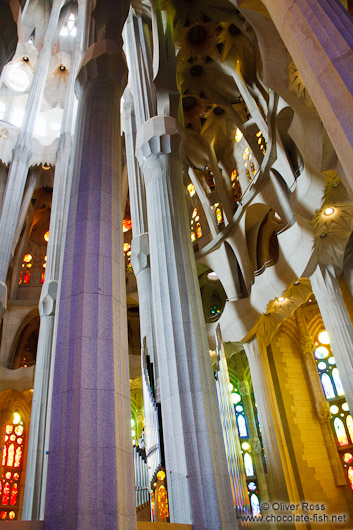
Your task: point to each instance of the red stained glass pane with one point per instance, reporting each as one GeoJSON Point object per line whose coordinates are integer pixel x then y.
{"type": "Point", "coordinates": [27, 277]}
{"type": "Point", "coordinates": [163, 503]}
{"type": "Point", "coordinates": [6, 494]}
{"type": "Point", "coordinates": [16, 476]}
{"type": "Point", "coordinates": [18, 456]}
{"type": "Point", "coordinates": [12, 437]}
{"type": "Point", "coordinates": [20, 281]}
{"type": "Point", "coordinates": [13, 498]}
{"type": "Point", "coordinates": [10, 455]}
{"type": "Point", "coordinates": [198, 230]}
{"type": "Point", "coordinates": [18, 430]}
{"type": "Point", "coordinates": [3, 515]}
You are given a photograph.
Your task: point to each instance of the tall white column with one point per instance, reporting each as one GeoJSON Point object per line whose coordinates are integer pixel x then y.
{"type": "Point", "coordinates": [282, 485]}
{"type": "Point", "coordinates": [337, 323]}
{"type": "Point", "coordinates": [35, 487]}
{"type": "Point", "coordinates": [22, 154]}
{"type": "Point", "coordinates": [197, 475]}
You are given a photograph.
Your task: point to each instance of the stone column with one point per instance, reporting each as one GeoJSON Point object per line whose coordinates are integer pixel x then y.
{"type": "Point", "coordinates": [35, 486]}
{"type": "Point", "coordinates": [319, 37]}
{"type": "Point", "coordinates": [140, 253]}
{"type": "Point", "coordinates": [22, 154]}
{"type": "Point", "coordinates": [3, 180]}
{"type": "Point", "coordinates": [197, 475]}
{"type": "Point", "coordinates": [337, 323]}
{"type": "Point", "coordinates": [90, 471]}
{"type": "Point", "coordinates": [282, 483]}
{"type": "Point", "coordinates": [320, 402]}
{"type": "Point", "coordinates": [254, 439]}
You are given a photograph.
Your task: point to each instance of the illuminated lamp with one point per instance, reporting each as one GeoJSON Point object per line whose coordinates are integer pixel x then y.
{"type": "Point", "coordinates": [329, 211]}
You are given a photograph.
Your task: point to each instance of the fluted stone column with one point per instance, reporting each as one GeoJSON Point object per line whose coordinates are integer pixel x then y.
{"type": "Point", "coordinates": [320, 402]}
{"type": "Point", "coordinates": [282, 484]}
{"type": "Point", "coordinates": [22, 154]}
{"type": "Point", "coordinates": [90, 473]}
{"type": "Point", "coordinates": [140, 253]}
{"type": "Point", "coordinates": [337, 323]}
{"type": "Point", "coordinates": [35, 486]}
{"type": "Point", "coordinates": [319, 37]}
{"type": "Point", "coordinates": [3, 180]}
{"type": "Point", "coordinates": [197, 475]}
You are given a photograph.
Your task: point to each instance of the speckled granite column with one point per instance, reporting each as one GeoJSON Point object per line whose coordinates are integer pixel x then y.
{"type": "Point", "coordinates": [197, 475]}
{"type": "Point", "coordinates": [90, 472]}
{"type": "Point", "coordinates": [337, 323]}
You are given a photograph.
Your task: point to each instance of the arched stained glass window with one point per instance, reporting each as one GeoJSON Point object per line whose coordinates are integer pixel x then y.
{"type": "Point", "coordinates": [340, 431]}
{"type": "Point", "coordinates": [349, 422]}
{"type": "Point", "coordinates": [249, 468]}
{"type": "Point", "coordinates": [12, 460]}
{"type": "Point", "coordinates": [327, 385]}
{"type": "Point", "coordinates": [243, 431]}
{"type": "Point", "coordinates": [163, 503]}
{"type": "Point", "coordinates": [338, 382]}
{"type": "Point", "coordinates": [255, 505]}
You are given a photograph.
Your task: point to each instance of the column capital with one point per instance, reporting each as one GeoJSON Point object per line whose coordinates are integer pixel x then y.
{"type": "Point", "coordinates": [47, 300]}
{"type": "Point", "coordinates": [160, 135]}
{"type": "Point", "coordinates": [102, 60]}
{"type": "Point", "coordinates": [243, 388]}
{"type": "Point", "coordinates": [322, 409]}
{"type": "Point", "coordinates": [140, 253]}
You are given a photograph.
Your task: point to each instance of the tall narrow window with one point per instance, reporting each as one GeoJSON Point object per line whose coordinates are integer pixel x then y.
{"type": "Point", "coordinates": [342, 422]}
{"type": "Point", "coordinates": [12, 461]}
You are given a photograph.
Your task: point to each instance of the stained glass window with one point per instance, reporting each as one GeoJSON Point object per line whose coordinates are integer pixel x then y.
{"type": "Point", "coordinates": [127, 254]}
{"type": "Point", "coordinates": [26, 269]}
{"type": "Point", "coordinates": [249, 468]}
{"type": "Point", "coordinates": [342, 422]}
{"type": "Point", "coordinates": [255, 505]}
{"type": "Point", "coordinates": [340, 431]}
{"type": "Point", "coordinates": [350, 476]}
{"type": "Point", "coordinates": [12, 453]}
{"type": "Point", "coordinates": [337, 381]}
{"type": "Point", "coordinates": [327, 386]}
{"type": "Point", "coordinates": [243, 432]}
{"type": "Point", "coordinates": [162, 498]}
{"type": "Point", "coordinates": [195, 230]}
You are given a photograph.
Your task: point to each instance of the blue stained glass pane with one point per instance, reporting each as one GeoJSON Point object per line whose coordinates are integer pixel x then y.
{"type": "Point", "coordinates": [332, 360]}
{"type": "Point", "coordinates": [321, 365]}
{"type": "Point", "coordinates": [321, 352]}
{"type": "Point", "coordinates": [249, 468]}
{"type": "Point", "coordinates": [255, 505]}
{"type": "Point", "coordinates": [340, 432]}
{"type": "Point", "coordinates": [338, 382]}
{"type": "Point", "coordinates": [327, 386]}
{"type": "Point", "coordinates": [252, 486]}
{"type": "Point", "coordinates": [243, 432]}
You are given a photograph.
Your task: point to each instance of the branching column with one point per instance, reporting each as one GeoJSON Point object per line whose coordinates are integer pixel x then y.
{"type": "Point", "coordinates": [35, 487]}
{"type": "Point", "coordinates": [90, 472]}
{"type": "Point", "coordinates": [22, 154]}
{"type": "Point", "coordinates": [281, 480]}
{"type": "Point", "coordinates": [337, 323]}
{"type": "Point", "coordinates": [320, 402]}
{"type": "Point", "coordinates": [197, 474]}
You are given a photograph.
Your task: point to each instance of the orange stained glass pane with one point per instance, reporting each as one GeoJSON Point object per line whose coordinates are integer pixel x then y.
{"type": "Point", "coordinates": [27, 258]}
{"type": "Point", "coordinates": [219, 216]}
{"type": "Point", "coordinates": [8, 475]}
{"type": "Point", "coordinates": [27, 277]}
{"type": "Point", "coordinates": [4, 451]}
{"type": "Point", "coordinates": [12, 515]}
{"type": "Point", "coordinates": [6, 494]}
{"type": "Point", "coordinates": [248, 175]}
{"type": "Point", "coordinates": [18, 456]}
{"type": "Point", "coordinates": [20, 441]}
{"type": "Point", "coordinates": [46, 236]}
{"type": "Point", "coordinates": [13, 498]}
{"type": "Point", "coordinates": [18, 430]}
{"type": "Point", "coordinates": [350, 476]}
{"type": "Point", "coordinates": [198, 230]}
{"type": "Point", "coordinates": [127, 224]}
{"type": "Point", "coordinates": [16, 476]}
{"type": "Point", "coordinates": [42, 277]}
{"type": "Point", "coordinates": [20, 280]}
{"type": "Point", "coordinates": [163, 503]}
{"type": "Point", "coordinates": [3, 515]}
{"type": "Point", "coordinates": [12, 437]}
{"type": "Point", "coordinates": [193, 237]}
{"type": "Point", "coordinates": [10, 455]}
{"type": "Point", "coordinates": [9, 429]}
